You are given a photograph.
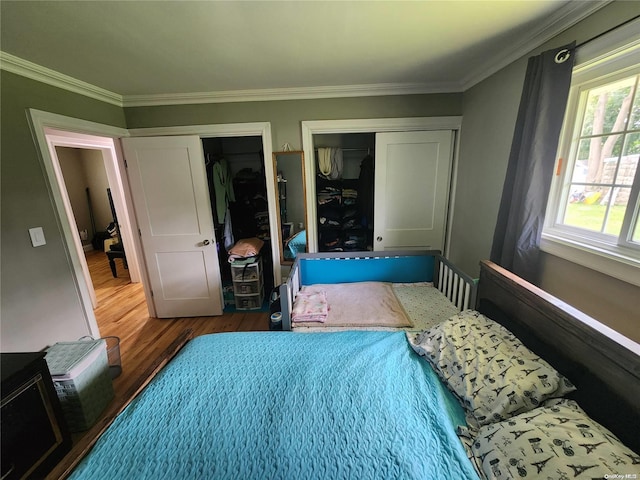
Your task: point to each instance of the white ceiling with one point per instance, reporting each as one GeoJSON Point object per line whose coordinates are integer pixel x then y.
{"type": "Point", "coordinates": [141, 50]}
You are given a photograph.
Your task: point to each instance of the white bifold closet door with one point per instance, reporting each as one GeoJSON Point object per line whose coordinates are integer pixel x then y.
{"type": "Point", "coordinates": [412, 177]}
{"type": "Point", "coordinates": [171, 200]}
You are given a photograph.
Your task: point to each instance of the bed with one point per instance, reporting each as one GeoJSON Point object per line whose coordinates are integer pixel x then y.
{"type": "Point", "coordinates": [409, 290]}
{"type": "Point", "coordinates": [369, 404]}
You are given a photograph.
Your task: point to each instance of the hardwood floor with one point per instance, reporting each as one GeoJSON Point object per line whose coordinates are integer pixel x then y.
{"type": "Point", "coordinates": [122, 312]}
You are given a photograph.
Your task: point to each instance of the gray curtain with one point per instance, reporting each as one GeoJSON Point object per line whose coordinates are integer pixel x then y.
{"type": "Point", "coordinates": [516, 239]}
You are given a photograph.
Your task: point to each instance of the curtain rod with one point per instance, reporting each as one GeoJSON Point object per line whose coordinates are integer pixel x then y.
{"type": "Point", "coordinates": [608, 31]}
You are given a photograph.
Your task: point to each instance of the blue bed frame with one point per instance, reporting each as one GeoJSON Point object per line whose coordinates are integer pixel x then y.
{"type": "Point", "coordinates": [390, 266]}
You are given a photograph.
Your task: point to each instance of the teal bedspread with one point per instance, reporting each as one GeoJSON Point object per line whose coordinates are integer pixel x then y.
{"type": "Point", "coordinates": [281, 405]}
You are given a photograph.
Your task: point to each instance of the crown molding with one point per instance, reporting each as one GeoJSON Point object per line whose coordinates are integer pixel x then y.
{"type": "Point", "coordinates": [22, 67]}
{"type": "Point", "coordinates": [292, 93]}
{"type": "Point", "coordinates": [565, 17]}
{"type": "Point", "coordinates": [45, 75]}
{"type": "Point", "coordinates": [570, 14]}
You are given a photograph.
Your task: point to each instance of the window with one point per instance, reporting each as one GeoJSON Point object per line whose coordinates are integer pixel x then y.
{"type": "Point", "coordinates": [597, 198]}
{"type": "Point", "coordinates": [594, 206]}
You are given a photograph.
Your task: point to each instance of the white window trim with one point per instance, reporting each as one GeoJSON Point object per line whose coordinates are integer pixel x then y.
{"type": "Point", "coordinates": [613, 52]}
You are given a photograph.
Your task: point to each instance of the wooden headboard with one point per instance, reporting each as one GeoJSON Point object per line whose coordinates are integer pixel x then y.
{"type": "Point", "coordinates": [604, 365]}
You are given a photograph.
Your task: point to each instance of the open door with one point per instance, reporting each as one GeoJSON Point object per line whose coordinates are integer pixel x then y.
{"type": "Point", "coordinates": [171, 200]}
{"type": "Point", "coordinates": [412, 178]}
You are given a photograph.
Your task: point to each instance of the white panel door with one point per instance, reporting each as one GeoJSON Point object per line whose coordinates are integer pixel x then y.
{"type": "Point", "coordinates": [171, 200]}
{"type": "Point", "coordinates": [412, 177]}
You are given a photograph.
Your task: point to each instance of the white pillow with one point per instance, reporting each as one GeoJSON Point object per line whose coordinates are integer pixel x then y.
{"type": "Point", "coordinates": [494, 375]}
{"type": "Point", "coordinates": [555, 441]}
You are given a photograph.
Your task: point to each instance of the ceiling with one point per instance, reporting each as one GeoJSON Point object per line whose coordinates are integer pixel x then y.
{"type": "Point", "coordinates": [141, 51]}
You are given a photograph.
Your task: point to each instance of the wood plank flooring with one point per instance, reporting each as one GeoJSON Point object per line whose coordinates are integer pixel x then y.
{"type": "Point", "coordinates": [122, 312]}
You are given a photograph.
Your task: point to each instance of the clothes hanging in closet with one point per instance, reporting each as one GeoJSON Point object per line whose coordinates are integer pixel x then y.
{"type": "Point", "coordinates": [330, 163]}
{"type": "Point", "coordinates": [229, 240]}
{"type": "Point", "coordinates": [223, 187]}
{"type": "Point", "coordinates": [365, 190]}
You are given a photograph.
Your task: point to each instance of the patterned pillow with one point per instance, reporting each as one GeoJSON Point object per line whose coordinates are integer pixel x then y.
{"type": "Point", "coordinates": [556, 441]}
{"type": "Point", "coordinates": [488, 368]}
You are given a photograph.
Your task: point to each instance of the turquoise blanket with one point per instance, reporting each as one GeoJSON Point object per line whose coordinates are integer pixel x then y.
{"type": "Point", "coordinates": [281, 405]}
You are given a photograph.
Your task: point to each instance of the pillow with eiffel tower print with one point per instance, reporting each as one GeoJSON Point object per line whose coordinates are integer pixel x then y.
{"type": "Point", "coordinates": [492, 373]}
{"type": "Point", "coordinates": [556, 441]}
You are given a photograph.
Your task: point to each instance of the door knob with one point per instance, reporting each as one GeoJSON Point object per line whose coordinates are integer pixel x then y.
{"type": "Point", "coordinates": [379, 239]}
{"type": "Point", "coordinates": [205, 242]}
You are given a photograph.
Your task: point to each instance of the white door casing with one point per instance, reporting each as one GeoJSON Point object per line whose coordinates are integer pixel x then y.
{"type": "Point", "coordinates": [412, 178]}
{"type": "Point", "coordinates": [81, 133]}
{"type": "Point", "coordinates": [171, 200]}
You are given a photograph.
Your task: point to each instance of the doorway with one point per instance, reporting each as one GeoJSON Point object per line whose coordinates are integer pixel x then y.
{"type": "Point", "coordinates": [175, 212]}
{"type": "Point", "coordinates": [87, 187]}
{"type": "Point", "coordinates": [51, 131]}
{"type": "Point", "coordinates": [89, 164]}
{"type": "Point", "coordinates": [245, 213]}
{"type": "Point", "coordinates": [230, 139]}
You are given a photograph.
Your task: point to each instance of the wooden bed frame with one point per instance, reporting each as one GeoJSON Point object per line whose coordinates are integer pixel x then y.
{"type": "Point", "coordinates": [390, 266]}
{"type": "Point", "coordinates": [604, 365]}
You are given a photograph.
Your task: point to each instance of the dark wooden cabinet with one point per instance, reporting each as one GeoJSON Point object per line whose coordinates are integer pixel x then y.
{"type": "Point", "coordinates": [34, 434]}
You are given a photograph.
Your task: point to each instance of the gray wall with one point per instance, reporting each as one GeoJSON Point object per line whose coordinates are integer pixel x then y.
{"type": "Point", "coordinates": [75, 182]}
{"type": "Point", "coordinates": [97, 181]}
{"type": "Point", "coordinates": [39, 303]}
{"type": "Point", "coordinates": [490, 111]}
{"type": "Point", "coordinates": [286, 116]}
{"type": "Point", "coordinates": [612, 301]}
{"type": "Point", "coordinates": [84, 168]}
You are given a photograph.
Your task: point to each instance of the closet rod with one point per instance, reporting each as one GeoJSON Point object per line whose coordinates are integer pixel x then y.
{"type": "Point", "coordinates": [230, 154]}
{"type": "Point", "coordinates": [348, 149]}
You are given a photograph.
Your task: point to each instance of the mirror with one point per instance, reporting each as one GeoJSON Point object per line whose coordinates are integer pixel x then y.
{"type": "Point", "coordinates": [291, 204]}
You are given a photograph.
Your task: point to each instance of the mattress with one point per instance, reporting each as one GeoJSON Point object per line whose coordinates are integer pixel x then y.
{"type": "Point", "coordinates": [422, 305]}
{"type": "Point", "coordinates": [357, 304]}
{"type": "Point", "coordinates": [281, 405]}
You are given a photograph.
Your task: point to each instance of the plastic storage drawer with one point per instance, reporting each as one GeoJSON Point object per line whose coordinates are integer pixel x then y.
{"type": "Point", "coordinates": [80, 374]}
{"type": "Point", "coordinates": [247, 288]}
{"type": "Point", "coordinates": [243, 270]}
{"type": "Point", "coordinates": [249, 302]}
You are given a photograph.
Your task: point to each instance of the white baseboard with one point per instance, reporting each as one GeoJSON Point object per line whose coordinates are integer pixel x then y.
{"type": "Point", "coordinates": [87, 248]}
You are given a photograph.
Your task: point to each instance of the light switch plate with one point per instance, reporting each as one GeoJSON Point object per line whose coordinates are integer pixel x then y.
{"type": "Point", "coordinates": [37, 236]}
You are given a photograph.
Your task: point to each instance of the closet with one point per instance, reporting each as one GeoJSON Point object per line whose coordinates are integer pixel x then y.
{"type": "Point", "coordinates": [183, 244]}
{"type": "Point", "coordinates": [380, 190]}
{"type": "Point", "coordinates": [239, 203]}
{"type": "Point", "coordinates": [344, 185]}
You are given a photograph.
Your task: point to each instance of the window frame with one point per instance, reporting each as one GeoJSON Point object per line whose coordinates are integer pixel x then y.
{"type": "Point", "coordinates": [607, 59]}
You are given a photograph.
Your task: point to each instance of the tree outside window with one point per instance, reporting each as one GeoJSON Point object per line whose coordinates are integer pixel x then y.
{"type": "Point", "coordinates": [599, 189]}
